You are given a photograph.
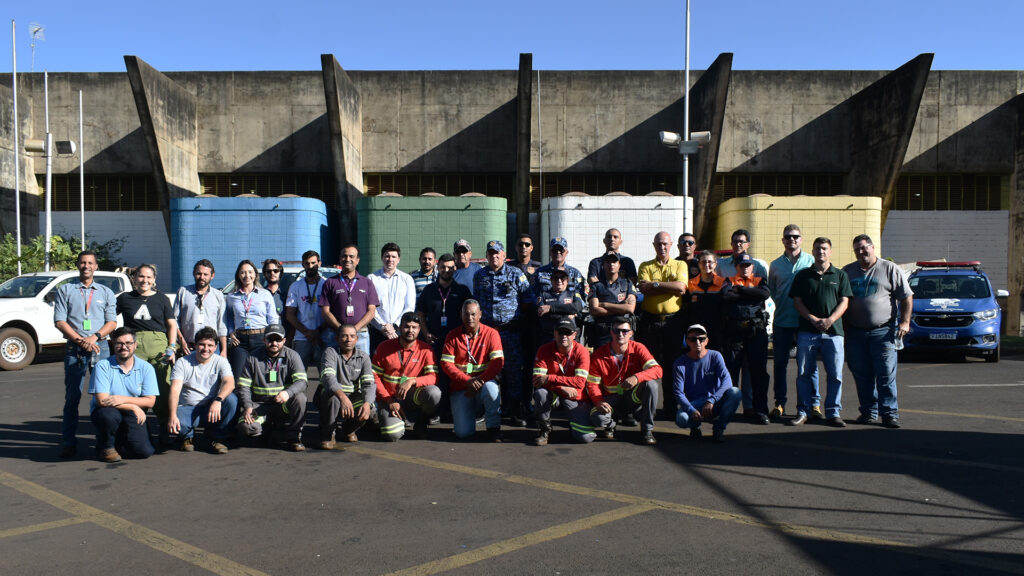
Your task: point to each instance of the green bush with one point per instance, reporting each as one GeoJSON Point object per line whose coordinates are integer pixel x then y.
{"type": "Point", "coordinates": [63, 254]}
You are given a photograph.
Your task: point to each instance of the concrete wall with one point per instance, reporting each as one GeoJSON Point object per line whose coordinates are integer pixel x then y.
{"type": "Point", "coordinates": [143, 231]}
{"type": "Point", "coordinates": [583, 220]}
{"type": "Point", "coordinates": [910, 236]}
{"type": "Point", "coordinates": [29, 191]}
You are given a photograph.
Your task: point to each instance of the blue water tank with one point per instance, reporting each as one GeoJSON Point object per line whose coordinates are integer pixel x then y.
{"type": "Point", "coordinates": [229, 230]}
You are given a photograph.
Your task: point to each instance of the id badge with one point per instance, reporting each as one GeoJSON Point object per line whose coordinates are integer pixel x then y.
{"type": "Point", "coordinates": [247, 323]}
{"type": "Point", "coordinates": [314, 300]}
{"type": "Point", "coordinates": [272, 376]}
{"type": "Point", "coordinates": [350, 310]}
{"type": "Point", "coordinates": [444, 321]}
{"type": "Point", "coordinates": [87, 324]}
{"type": "Point", "coordinates": [469, 368]}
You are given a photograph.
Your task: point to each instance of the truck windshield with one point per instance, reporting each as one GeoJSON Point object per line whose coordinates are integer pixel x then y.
{"type": "Point", "coordinates": [24, 286]}
{"type": "Point", "coordinates": [965, 287]}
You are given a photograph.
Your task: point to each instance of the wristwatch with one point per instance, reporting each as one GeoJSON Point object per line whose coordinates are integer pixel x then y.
{"type": "Point", "coordinates": [656, 284]}
{"type": "Point", "coordinates": [219, 399]}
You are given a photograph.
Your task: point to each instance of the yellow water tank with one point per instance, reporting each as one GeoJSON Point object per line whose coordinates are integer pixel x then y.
{"type": "Point", "coordinates": [839, 218]}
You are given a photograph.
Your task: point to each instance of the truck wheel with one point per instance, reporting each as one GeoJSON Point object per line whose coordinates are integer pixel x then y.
{"type": "Point", "coordinates": [17, 349]}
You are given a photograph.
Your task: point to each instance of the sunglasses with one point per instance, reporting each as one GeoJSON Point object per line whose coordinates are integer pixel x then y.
{"type": "Point", "coordinates": [123, 344]}
{"type": "Point", "coordinates": [792, 237]}
{"type": "Point", "coordinates": [272, 271]}
{"type": "Point", "coordinates": [697, 339]}
{"type": "Point", "coordinates": [275, 339]}
{"type": "Point", "coordinates": [526, 244]}
{"type": "Point", "coordinates": [558, 249]}
{"type": "Point", "coordinates": [687, 243]}
{"type": "Point", "coordinates": [621, 331]}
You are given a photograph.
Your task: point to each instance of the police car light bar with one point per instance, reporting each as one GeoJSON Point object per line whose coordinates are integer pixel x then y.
{"type": "Point", "coordinates": [940, 264]}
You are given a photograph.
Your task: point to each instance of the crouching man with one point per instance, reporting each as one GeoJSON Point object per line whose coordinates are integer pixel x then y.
{"type": "Point", "coordinates": [201, 394]}
{"type": "Point", "coordinates": [346, 390]}
{"type": "Point", "coordinates": [263, 395]}
{"type": "Point", "coordinates": [123, 386]}
{"type": "Point", "coordinates": [405, 373]}
{"type": "Point", "coordinates": [623, 380]}
{"type": "Point", "coordinates": [703, 387]}
{"type": "Point", "coordinates": [560, 371]}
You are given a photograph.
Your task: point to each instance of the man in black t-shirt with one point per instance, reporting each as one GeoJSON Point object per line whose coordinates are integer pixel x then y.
{"type": "Point", "coordinates": [439, 308]}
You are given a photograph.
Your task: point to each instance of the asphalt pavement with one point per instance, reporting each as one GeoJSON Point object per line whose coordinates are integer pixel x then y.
{"type": "Point", "coordinates": [942, 495]}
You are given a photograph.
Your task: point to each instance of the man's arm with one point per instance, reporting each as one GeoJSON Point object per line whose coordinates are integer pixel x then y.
{"type": "Point", "coordinates": [329, 318]}
{"type": "Point", "coordinates": [906, 310]}
{"type": "Point", "coordinates": [173, 396]}
{"type": "Point", "coordinates": [371, 311]}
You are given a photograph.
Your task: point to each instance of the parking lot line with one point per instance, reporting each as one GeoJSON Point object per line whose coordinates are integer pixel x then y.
{"type": "Point", "coordinates": [152, 538]}
{"type": "Point", "coordinates": [640, 502]}
{"type": "Point", "coordinates": [42, 526]}
{"type": "Point", "coordinates": [524, 541]}
{"type": "Point", "coordinates": [964, 415]}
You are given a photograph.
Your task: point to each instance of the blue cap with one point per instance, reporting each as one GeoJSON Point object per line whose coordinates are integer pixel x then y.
{"type": "Point", "coordinates": [495, 245]}
{"type": "Point", "coordinates": [745, 259]}
{"type": "Point", "coordinates": [559, 241]}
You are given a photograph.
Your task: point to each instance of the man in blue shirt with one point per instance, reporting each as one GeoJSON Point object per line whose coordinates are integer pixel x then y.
{"type": "Point", "coordinates": [500, 289]}
{"type": "Point", "coordinates": [786, 320]}
{"type": "Point", "coordinates": [702, 386]}
{"type": "Point", "coordinates": [85, 312]}
{"type": "Point", "coordinates": [559, 253]}
{"type": "Point", "coordinates": [465, 268]}
{"type": "Point", "coordinates": [427, 272]}
{"type": "Point", "coordinates": [123, 387]}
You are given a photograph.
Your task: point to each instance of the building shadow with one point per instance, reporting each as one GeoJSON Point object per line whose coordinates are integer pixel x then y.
{"type": "Point", "coordinates": [487, 145]}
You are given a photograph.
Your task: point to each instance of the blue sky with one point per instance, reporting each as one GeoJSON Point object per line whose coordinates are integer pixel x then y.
{"type": "Point", "coordinates": [490, 34]}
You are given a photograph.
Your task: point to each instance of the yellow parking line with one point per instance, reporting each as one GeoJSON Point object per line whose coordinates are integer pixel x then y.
{"type": "Point", "coordinates": [963, 415]}
{"type": "Point", "coordinates": [42, 526]}
{"type": "Point", "coordinates": [153, 539]}
{"type": "Point", "coordinates": [641, 502]}
{"type": "Point", "coordinates": [520, 542]}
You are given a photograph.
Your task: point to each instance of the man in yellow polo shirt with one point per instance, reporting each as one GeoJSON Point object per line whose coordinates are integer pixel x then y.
{"type": "Point", "coordinates": [663, 281]}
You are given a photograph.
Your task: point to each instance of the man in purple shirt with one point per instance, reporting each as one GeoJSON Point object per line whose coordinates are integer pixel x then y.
{"type": "Point", "coordinates": [703, 387]}
{"type": "Point", "coordinates": [349, 299]}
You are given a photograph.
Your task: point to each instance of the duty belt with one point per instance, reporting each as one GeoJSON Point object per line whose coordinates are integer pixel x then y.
{"type": "Point", "coordinates": [251, 332]}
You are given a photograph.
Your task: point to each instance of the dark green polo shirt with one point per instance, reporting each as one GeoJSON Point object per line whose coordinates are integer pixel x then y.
{"type": "Point", "coordinates": [820, 293]}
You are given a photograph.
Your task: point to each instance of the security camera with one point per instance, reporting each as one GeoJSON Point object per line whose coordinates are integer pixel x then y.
{"type": "Point", "coordinates": [65, 147]}
{"type": "Point", "coordinates": [670, 139]}
{"type": "Point", "coordinates": [702, 137]}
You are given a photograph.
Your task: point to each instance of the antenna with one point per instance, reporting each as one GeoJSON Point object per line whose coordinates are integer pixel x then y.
{"type": "Point", "coordinates": [35, 30]}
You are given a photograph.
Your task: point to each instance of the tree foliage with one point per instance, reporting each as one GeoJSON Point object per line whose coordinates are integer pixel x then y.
{"type": "Point", "coordinates": [63, 254]}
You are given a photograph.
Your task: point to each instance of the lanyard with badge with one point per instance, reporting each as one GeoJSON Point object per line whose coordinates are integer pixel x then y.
{"type": "Point", "coordinates": [444, 305]}
{"type": "Point", "coordinates": [272, 370]}
{"type": "Point", "coordinates": [201, 317]}
{"type": "Point", "coordinates": [311, 296]}
{"type": "Point", "coordinates": [469, 356]}
{"type": "Point", "coordinates": [87, 322]}
{"type": "Point", "coordinates": [350, 310]}
{"type": "Point", "coordinates": [247, 304]}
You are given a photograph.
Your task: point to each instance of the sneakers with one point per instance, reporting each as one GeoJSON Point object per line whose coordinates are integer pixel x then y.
{"type": "Point", "coordinates": [836, 422]}
{"type": "Point", "coordinates": [296, 447]}
{"type": "Point", "coordinates": [110, 456]}
{"type": "Point", "coordinates": [607, 433]}
{"type": "Point", "coordinates": [186, 445]}
{"type": "Point", "coordinates": [648, 439]}
{"type": "Point", "coordinates": [865, 419]}
{"type": "Point", "coordinates": [494, 435]}
{"type": "Point", "coordinates": [218, 447]}
{"type": "Point", "coordinates": [800, 420]}
{"type": "Point", "coordinates": [695, 433]}
{"type": "Point", "coordinates": [891, 423]}
{"type": "Point", "coordinates": [718, 436]}
{"type": "Point", "coordinates": [817, 414]}
{"type": "Point", "coordinates": [777, 412]}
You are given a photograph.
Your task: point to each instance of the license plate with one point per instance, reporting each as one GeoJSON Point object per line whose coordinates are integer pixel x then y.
{"type": "Point", "coordinates": [942, 336]}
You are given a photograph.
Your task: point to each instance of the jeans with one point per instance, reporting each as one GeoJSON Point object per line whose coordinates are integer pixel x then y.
{"type": "Point", "coordinates": [191, 417]}
{"type": "Point", "coordinates": [464, 409]}
{"type": "Point", "coordinates": [120, 430]}
{"type": "Point", "coordinates": [247, 344]}
{"type": "Point", "coordinates": [77, 363]}
{"type": "Point", "coordinates": [871, 356]}
{"type": "Point", "coordinates": [721, 412]}
{"type": "Point", "coordinates": [783, 339]}
{"type": "Point", "coordinates": [808, 346]}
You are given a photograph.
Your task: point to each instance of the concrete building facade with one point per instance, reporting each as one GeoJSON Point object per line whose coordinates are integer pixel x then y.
{"type": "Point", "coordinates": [921, 140]}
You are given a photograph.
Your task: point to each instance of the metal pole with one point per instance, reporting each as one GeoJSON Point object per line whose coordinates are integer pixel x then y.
{"type": "Point", "coordinates": [686, 119]}
{"type": "Point", "coordinates": [17, 148]}
{"type": "Point", "coordinates": [49, 166]}
{"type": "Point", "coordinates": [81, 167]}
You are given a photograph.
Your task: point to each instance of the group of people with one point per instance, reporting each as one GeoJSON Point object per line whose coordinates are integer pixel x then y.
{"type": "Point", "coordinates": [472, 343]}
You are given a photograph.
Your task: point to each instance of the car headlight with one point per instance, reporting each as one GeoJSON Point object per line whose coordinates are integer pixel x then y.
{"type": "Point", "coordinates": [987, 314]}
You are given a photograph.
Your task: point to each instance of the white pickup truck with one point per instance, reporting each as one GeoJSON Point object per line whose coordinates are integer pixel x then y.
{"type": "Point", "coordinates": [26, 313]}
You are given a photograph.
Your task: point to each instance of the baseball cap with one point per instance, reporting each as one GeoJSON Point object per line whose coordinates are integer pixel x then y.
{"type": "Point", "coordinates": [496, 246]}
{"type": "Point", "coordinates": [611, 256]}
{"type": "Point", "coordinates": [745, 259]}
{"type": "Point", "coordinates": [558, 241]}
{"type": "Point", "coordinates": [274, 330]}
{"type": "Point", "coordinates": [566, 324]}
{"type": "Point", "coordinates": [697, 328]}
{"type": "Point", "coordinates": [461, 243]}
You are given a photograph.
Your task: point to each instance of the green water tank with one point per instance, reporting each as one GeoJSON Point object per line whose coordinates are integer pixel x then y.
{"type": "Point", "coordinates": [436, 221]}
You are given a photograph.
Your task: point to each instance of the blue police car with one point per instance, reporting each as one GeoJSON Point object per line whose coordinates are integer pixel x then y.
{"type": "Point", "coordinates": [955, 310]}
